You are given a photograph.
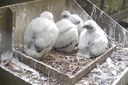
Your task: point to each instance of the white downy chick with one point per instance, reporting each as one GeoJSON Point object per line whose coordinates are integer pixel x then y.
{"type": "Point", "coordinates": [65, 14]}
{"type": "Point", "coordinates": [74, 18]}
{"type": "Point", "coordinates": [93, 40]}
{"type": "Point", "coordinates": [40, 35]}
{"type": "Point", "coordinates": [68, 36]}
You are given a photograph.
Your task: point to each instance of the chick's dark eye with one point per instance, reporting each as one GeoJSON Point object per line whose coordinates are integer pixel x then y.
{"type": "Point", "coordinates": [38, 49]}
{"type": "Point", "coordinates": [90, 27]}
{"type": "Point", "coordinates": [78, 22]}
{"type": "Point", "coordinates": [65, 16]}
{"type": "Point", "coordinates": [87, 27]}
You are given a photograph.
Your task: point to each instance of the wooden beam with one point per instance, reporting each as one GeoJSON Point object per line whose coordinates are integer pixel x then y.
{"type": "Point", "coordinates": [120, 14]}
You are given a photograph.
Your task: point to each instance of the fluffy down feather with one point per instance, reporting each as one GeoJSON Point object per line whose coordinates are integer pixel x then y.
{"type": "Point", "coordinates": [74, 18]}
{"type": "Point", "coordinates": [93, 40]}
{"type": "Point", "coordinates": [40, 35]}
{"type": "Point", "coordinates": [68, 36]}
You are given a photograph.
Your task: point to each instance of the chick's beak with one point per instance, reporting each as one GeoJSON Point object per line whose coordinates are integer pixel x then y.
{"type": "Point", "coordinates": [87, 27]}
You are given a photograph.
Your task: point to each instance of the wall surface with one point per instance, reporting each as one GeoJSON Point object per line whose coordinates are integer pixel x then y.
{"type": "Point", "coordinates": [117, 9]}
{"type": "Point", "coordinates": [9, 2]}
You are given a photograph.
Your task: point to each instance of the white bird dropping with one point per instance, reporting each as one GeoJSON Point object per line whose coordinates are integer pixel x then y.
{"type": "Point", "coordinates": [68, 36]}
{"type": "Point", "coordinates": [93, 40]}
{"type": "Point", "coordinates": [40, 35]}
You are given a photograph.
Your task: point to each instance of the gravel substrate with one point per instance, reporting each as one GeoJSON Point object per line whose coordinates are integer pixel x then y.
{"type": "Point", "coordinates": [66, 63]}
{"type": "Point", "coordinates": [107, 72]}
